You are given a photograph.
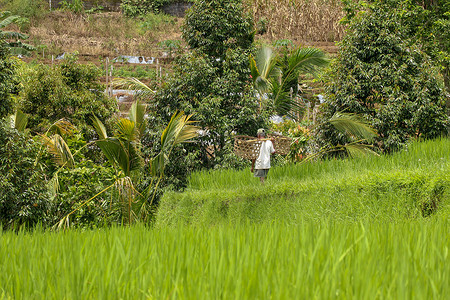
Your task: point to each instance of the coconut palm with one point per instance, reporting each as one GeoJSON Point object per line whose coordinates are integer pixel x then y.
{"type": "Point", "coordinates": [272, 77]}
{"type": "Point", "coordinates": [16, 46]}
{"type": "Point", "coordinates": [122, 149]}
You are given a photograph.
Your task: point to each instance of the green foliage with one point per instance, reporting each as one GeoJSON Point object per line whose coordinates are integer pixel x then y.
{"type": "Point", "coordinates": [75, 6]}
{"type": "Point", "coordinates": [80, 183]}
{"type": "Point", "coordinates": [215, 26]}
{"type": "Point", "coordinates": [134, 8]}
{"type": "Point", "coordinates": [153, 22]}
{"type": "Point", "coordinates": [139, 72]}
{"type": "Point", "coordinates": [24, 198]}
{"type": "Point", "coordinates": [276, 76]}
{"type": "Point", "coordinates": [13, 38]}
{"type": "Point", "coordinates": [171, 46]}
{"type": "Point", "coordinates": [6, 81]}
{"type": "Point", "coordinates": [25, 8]}
{"type": "Point", "coordinates": [300, 135]}
{"type": "Point", "coordinates": [68, 90]}
{"type": "Point", "coordinates": [221, 100]}
{"type": "Point", "coordinates": [383, 76]}
{"type": "Point", "coordinates": [427, 23]}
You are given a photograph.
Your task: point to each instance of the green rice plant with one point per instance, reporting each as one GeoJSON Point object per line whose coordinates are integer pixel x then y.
{"type": "Point", "coordinates": [411, 184]}
{"type": "Point", "coordinates": [323, 259]}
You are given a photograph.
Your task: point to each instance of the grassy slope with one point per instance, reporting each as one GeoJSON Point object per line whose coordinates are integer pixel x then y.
{"type": "Point", "coordinates": [404, 185]}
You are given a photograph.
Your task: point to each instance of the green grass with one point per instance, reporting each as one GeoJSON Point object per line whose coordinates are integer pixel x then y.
{"type": "Point", "coordinates": [303, 260]}
{"type": "Point", "coordinates": [408, 184]}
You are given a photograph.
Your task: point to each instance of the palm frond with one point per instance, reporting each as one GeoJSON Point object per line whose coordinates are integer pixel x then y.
{"type": "Point", "coordinates": [61, 127]}
{"type": "Point", "coordinates": [59, 149]}
{"type": "Point", "coordinates": [137, 115]}
{"type": "Point", "coordinates": [267, 64]}
{"type": "Point", "coordinates": [353, 125]}
{"type": "Point", "coordinates": [143, 90]}
{"type": "Point", "coordinates": [185, 130]}
{"type": "Point", "coordinates": [264, 69]}
{"type": "Point", "coordinates": [53, 185]}
{"type": "Point", "coordinates": [126, 130]}
{"type": "Point", "coordinates": [357, 149]}
{"type": "Point", "coordinates": [306, 60]}
{"type": "Point", "coordinates": [20, 120]}
{"type": "Point", "coordinates": [179, 130]}
{"type": "Point", "coordinates": [121, 154]}
{"type": "Point", "coordinates": [99, 128]}
{"type": "Point", "coordinates": [13, 35]}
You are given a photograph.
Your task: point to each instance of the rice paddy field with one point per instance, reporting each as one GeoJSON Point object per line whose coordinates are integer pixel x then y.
{"type": "Point", "coordinates": [367, 228]}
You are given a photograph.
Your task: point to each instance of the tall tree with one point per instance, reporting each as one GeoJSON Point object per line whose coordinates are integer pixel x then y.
{"type": "Point", "coordinates": [213, 80]}
{"type": "Point", "coordinates": [381, 74]}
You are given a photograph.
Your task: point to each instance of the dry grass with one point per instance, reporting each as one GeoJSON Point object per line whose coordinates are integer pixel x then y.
{"type": "Point", "coordinates": [306, 21]}
{"type": "Point", "coordinates": [105, 34]}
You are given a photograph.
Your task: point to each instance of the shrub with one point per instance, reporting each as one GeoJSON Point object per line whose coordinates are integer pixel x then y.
{"type": "Point", "coordinates": [382, 75]}
{"type": "Point", "coordinates": [24, 198]}
{"type": "Point", "coordinates": [133, 8]}
{"type": "Point", "coordinates": [6, 81]}
{"type": "Point", "coordinates": [25, 8]}
{"type": "Point", "coordinates": [68, 90]}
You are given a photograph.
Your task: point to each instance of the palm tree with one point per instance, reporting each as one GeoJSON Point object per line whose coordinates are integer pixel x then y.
{"type": "Point", "coordinates": [272, 77]}
{"type": "Point", "coordinates": [122, 149]}
{"type": "Point", "coordinates": [16, 47]}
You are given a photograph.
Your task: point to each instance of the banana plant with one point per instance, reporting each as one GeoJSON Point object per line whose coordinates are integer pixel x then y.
{"type": "Point", "coordinates": [16, 47]}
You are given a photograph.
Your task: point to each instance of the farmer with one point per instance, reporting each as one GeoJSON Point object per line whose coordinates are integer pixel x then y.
{"type": "Point", "coordinates": [261, 165]}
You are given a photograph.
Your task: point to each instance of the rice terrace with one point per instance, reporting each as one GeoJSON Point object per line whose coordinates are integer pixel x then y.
{"type": "Point", "coordinates": [224, 149]}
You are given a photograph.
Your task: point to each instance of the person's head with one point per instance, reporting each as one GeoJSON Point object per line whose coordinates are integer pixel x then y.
{"type": "Point", "coordinates": [261, 133]}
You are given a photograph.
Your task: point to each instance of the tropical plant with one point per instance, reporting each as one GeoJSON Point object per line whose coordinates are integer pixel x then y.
{"type": "Point", "coordinates": [274, 75]}
{"type": "Point", "coordinates": [123, 151]}
{"type": "Point", "coordinates": [14, 44]}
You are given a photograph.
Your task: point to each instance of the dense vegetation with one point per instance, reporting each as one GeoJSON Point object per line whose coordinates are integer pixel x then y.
{"type": "Point", "coordinates": [383, 74]}
{"type": "Point", "coordinates": [159, 204]}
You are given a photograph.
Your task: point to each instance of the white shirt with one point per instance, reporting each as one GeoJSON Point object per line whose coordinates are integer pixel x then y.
{"type": "Point", "coordinates": [263, 161]}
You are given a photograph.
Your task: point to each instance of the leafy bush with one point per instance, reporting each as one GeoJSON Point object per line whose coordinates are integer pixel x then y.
{"type": "Point", "coordinates": [133, 8]}
{"type": "Point", "coordinates": [6, 81]}
{"type": "Point", "coordinates": [216, 26]}
{"type": "Point", "coordinates": [25, 8]}
{"type": "Point", "coordinates": [68, 90]}
{"type": "Point", "coordinates": [24, 198]}
{"type": "Point", "coordinates": [382, 75]}
{"type": "Point", "coordinates": [81, 183]}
